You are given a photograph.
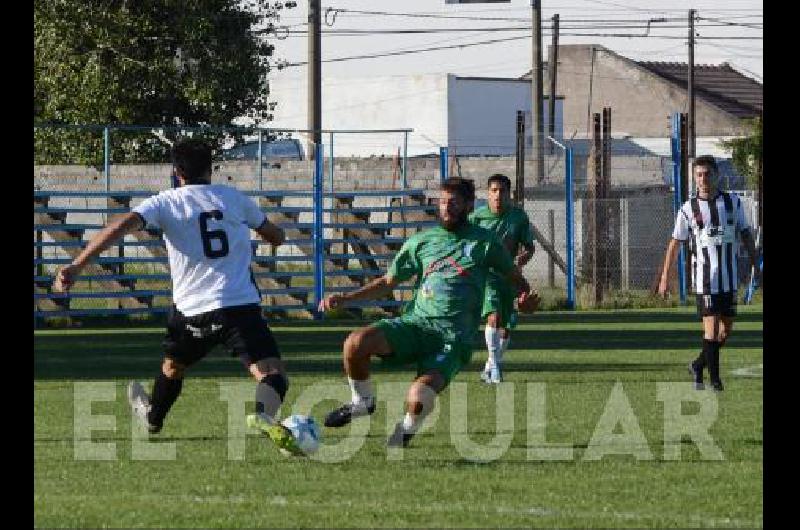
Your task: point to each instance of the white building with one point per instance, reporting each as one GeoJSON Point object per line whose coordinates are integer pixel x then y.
{"type": "Point", "coordinates": [471, 115]}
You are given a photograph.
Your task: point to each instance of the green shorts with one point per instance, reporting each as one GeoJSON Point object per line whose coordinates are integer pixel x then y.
{"type": "Point", "coordinates": [499, 298]}
{"type": "Point", "coordinates": [415, 341]}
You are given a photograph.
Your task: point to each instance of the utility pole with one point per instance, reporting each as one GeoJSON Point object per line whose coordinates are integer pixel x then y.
{"type": "Point", "coordinates": [690, 83]}
{"type": "Point", "coordinates": [552, 73]}
{"type": "Point", "coordinates": [537, 122]}
{"type": "Point", "coordinates": [519, 186]}
{"type": "Point", "coordinates": [314, 76]}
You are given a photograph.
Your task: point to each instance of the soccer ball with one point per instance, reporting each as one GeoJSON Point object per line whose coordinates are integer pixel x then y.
{"type": "Point", "coordinates": [305, 430]}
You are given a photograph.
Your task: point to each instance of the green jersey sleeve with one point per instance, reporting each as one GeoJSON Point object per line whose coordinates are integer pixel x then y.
{"type": "Point", "coordinates": [405, 264]}
{"type": "Point", "coordinates": [526, 238]}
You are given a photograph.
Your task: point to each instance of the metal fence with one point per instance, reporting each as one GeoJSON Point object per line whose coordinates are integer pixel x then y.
{"type": "Point", "coordinates": [345, 216]}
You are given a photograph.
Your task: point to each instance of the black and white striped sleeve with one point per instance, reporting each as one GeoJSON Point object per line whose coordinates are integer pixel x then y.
{"type": "Point", "coordinates": [682, 226]}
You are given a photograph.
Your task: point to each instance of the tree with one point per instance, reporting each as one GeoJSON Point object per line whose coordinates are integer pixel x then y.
{"type": "Point", "coordinates": [748, 157]}
{"type": "Point", "coordinates": [747, 152]}
{"type": "Point", "coordinates": [153, 62]}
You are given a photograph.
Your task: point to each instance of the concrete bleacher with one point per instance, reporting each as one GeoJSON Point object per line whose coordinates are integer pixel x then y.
{"type": "Point", "coordinates": [362, 230]}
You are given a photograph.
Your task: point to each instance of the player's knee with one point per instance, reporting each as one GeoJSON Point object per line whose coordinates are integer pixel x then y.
{"type": "Point", "coordinates": [172, 369]}
{"type": "Point", "coordinates": [420, 399]}
{"type": "Point", "coordinates": [278, 382]}
{"type": "Point", "coordinates": [355, 345]}
{"type": "Point", "coordinates": [267, 367]}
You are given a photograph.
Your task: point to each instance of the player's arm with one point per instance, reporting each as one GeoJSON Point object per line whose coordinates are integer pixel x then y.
{"type": "Point", "coordinates": [271, 233]}
{"type": "Point", "coordinates": [669, 261]}
{"type": "Point", "coordinates": [125, 224]}
{"type": "Point", "coordinates": [372, 290]}
{"type": "Point", "coordinates": [527, 247]}
{"type": "Point", "coordinates": [524, 256]}
{"type": "Point", "coordinates": [749, 244]}
{"type": "Point", "coordinates": [500, 260]}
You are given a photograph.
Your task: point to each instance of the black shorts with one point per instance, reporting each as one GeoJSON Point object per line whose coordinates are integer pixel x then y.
{"type": "Point", "coordinates": [722, 304]}
{"type": "Point", "coordinates": [242, 329]}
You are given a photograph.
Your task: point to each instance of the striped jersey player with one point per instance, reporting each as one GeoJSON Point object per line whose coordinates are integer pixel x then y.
{"type": "Point", "coordinates": [713, 223]}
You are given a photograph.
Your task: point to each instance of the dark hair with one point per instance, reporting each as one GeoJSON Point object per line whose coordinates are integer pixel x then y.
{"type": "Point", "coordinates": [193, 158]}
{"type": "Point", "coordinates": [502, 179]}
{"type": "Point", "coordinates": [708, 161]}
{"type": "Point", "coordinates": [463, 187]}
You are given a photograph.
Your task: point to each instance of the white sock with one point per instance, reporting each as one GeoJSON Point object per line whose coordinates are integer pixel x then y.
{"type": "Point", "coordinates": [493, 345]}
{"type": "Point", "coordinates": [361, 391]}
{"type": "Point", "coordinates": [410, 423]}
{"type": "Point", "coordinates": [503, 347]}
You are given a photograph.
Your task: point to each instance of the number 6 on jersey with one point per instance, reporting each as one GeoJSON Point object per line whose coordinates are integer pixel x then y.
{"type": "Point", "coordinates": [209, 235]}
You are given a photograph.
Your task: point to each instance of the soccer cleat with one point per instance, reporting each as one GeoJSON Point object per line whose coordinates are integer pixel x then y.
{"type": "Point", "coordinates": [495, 376]}
{"type": "Point", "coordinates": [399, 438]}
{"type": "Point", "coordinates": [344, 414]}
{"type": "Point", "coordinates": [486, 375]}
{"type": "Point", "coordinates": [277, 433]}
{"type": "Point", "coordinates": [140, 405]}
{"type": "Point", "coordinates": [697, 374]}
{"type": "Point", "coordinates": [717, 386]}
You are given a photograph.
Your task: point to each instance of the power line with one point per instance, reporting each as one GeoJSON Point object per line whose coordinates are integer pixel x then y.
{"type": "Point", "coordinates": [741, 24]}
{"type": "Point", "coordinates": [407, 52]}
{"type": "Point", "coordinates": [464, 45]}
{"type": "Point", "coordinates": [386, 31]}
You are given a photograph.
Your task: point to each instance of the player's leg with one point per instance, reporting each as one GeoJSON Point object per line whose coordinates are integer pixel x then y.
{"type": "Point", "coordinates": [437, 365]}
{"type": "Point", "coordinates": [246, 334]}
{"type": "Point", "coordinates": [181, 350]}
{"type": "Point", "coordinates": [420, 400]}
{"type": "Point", "coordinates": [711, 325]}
{"type": "Point", "coordinates": [492, 312]}
{"type": "Point", "coordinates": [358, 348]}
{"type": "Point", "coordinates": [493, 344]}
{"type": "Point", "coordinates": [503, 322]}
{"type": "Point", "coordinates": [725, 308]}
{"type": "Point", "coordinates": [272, 385]}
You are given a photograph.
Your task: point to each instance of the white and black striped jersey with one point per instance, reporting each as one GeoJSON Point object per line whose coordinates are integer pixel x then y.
{"type": "Point", "coordinates": [713, 228]}
{"type": "Point", "coordinates": [207, 232]}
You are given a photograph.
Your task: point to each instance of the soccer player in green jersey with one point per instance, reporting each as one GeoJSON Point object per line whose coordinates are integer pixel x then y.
{"type": "Point", "coordinates": [436, 331]}
{"type": "Point", "coordinates": [512, 226]}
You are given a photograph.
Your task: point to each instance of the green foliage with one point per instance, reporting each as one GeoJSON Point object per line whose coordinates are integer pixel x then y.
{"type": "Point", "coordinates": [747, 152]}
{"type": "Point", "coordinates": [152, 62]}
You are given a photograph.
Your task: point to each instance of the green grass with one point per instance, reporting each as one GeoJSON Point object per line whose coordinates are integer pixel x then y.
{"type": "Point", "coordinates": [578, 356]}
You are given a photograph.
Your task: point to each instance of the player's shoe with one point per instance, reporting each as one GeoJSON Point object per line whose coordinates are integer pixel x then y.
{"type": "Point", "coordinates": [697, 375]}
{"type": "Point", "coordinates": [140, 405]}
{"type": "Point", "coordinates": [717, 386]}
{"type": "Point", "coordinates": [495, 376]}
{"type": "Point", "coordinates": [344, 414]}
{"type": "Point", "coordinates": [486, 374]}
{"type": "Point", "coordinates": [277, 433]}
{"type": "Point", "coordinates": [399, 438]}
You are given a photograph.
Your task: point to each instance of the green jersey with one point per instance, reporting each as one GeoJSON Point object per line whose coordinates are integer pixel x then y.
{"type": "Point", "coordinates": [512, 226]}
{"type": "Point", "coordinates": [451, 270]}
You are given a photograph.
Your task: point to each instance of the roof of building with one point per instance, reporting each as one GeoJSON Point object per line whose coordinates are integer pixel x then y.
{"type": "Point", "coordinates": [720, 85]}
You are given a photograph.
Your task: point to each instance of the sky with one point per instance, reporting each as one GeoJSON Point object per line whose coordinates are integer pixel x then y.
{"type": "Point", "coordinates": [734, 29]}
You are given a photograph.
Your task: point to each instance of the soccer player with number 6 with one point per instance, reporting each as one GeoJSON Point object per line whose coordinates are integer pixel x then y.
{"type": "Point", "coordinates": [206, 228]}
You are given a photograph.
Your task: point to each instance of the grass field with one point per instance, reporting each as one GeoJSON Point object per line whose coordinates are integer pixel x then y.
{"type": "Point", "coordinates": [578, 356]}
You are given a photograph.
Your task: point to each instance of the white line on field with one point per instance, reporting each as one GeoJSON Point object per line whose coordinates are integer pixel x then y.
{"type": "Point", "coordinates": [757, 370]}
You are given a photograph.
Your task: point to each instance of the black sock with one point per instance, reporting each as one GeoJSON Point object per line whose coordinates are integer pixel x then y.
{"type": "Point", "coordinates": [270, 392]}
{"type": "Point", "coordinates": [165, 392]}
{"type": "Point", "coordinates": [700, 362]}
{"type": "Point", "coordinates": [712, 358]}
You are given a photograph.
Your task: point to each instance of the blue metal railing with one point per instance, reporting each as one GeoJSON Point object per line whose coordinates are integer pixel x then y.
{"type": "Point", "coordinates": [675, 141]}
{"type": "Point", "coordinates": [569, 199]}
